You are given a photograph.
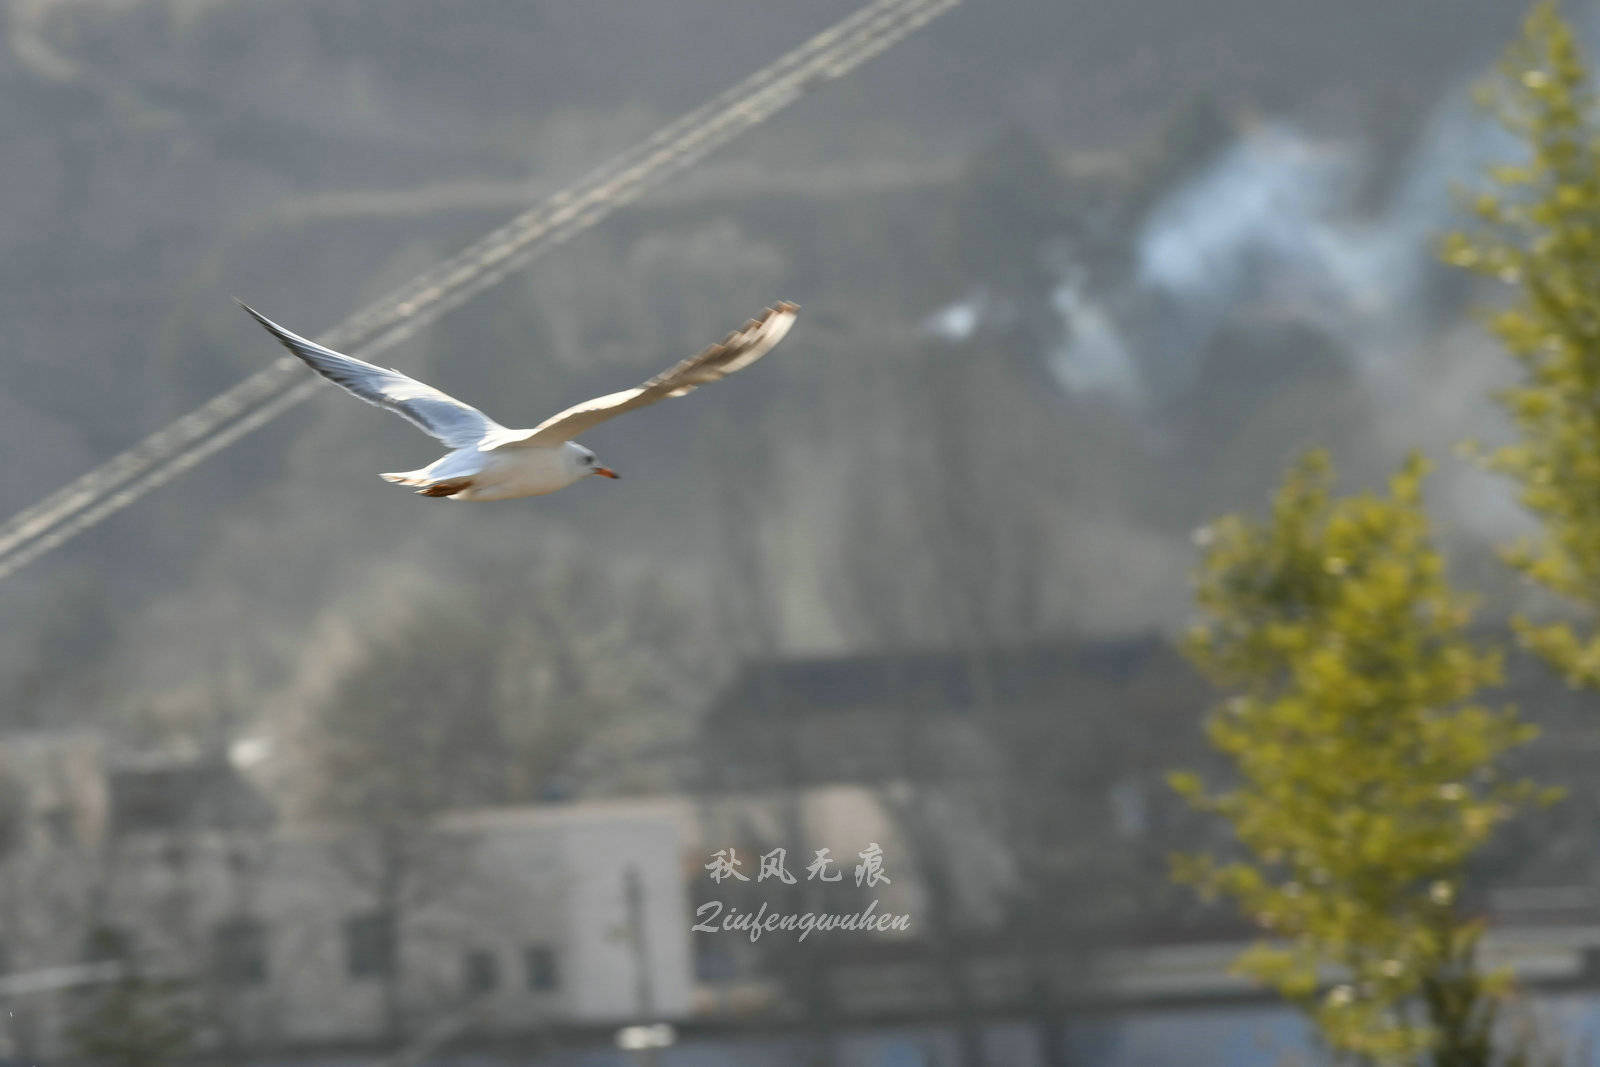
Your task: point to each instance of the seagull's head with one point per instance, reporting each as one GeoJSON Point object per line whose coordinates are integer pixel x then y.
{"type": "Point", "coordinates": [585, 462]}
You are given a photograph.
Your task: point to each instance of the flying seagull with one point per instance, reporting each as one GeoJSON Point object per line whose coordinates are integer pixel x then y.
{"type": "Point", "coordinates": [487, 461]}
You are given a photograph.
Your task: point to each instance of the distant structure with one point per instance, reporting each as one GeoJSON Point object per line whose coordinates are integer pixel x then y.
{"type": "Point", "coordinates": [1009, 803]}
{"type": "Point", "coordinates": [1041, 872]}
{"type": "Point", "coordinates": [509, 922]}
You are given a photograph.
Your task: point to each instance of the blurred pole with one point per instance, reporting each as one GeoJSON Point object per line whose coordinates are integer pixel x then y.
{"type": "Point", "coordinates": [644, 991]}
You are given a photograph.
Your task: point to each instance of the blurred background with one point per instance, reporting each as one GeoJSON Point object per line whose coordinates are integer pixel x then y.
{"type": "Point", "coordinates": [296, 768]}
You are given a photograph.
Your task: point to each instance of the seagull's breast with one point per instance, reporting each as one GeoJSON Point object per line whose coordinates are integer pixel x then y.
{"type": "Point", "coordinates": [513, 472]}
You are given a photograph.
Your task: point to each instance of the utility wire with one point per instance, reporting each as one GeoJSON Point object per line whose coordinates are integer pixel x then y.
{"type": "Point", "coordinates": [164, 455]}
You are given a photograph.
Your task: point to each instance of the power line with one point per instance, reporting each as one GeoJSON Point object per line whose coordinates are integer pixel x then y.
{"type": "Point", "coordinates": [485, 262]}
{"type": "Point", "coordinates": [230, 415]}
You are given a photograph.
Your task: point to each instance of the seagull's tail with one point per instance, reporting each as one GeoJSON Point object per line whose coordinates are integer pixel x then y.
{"type": "Point", "coordinates": [429, 486]}
{"type": "Point", "coordinates": [406, 478]}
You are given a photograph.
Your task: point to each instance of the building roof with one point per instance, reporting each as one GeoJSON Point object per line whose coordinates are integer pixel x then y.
{"type": "Point", "coordinates": [156, 793]}
{"type": "Point", "coordinates": [937, 682]}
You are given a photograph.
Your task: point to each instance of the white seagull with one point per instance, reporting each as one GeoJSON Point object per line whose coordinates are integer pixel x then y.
{"type": "Point", "coordinates": [487, 461]}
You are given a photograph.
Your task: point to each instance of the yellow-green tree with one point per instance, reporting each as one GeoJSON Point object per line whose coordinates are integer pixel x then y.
{"type": "Point", "coordinates": [1366, 776]}
{"type": "Point", "coordinates": [1539, 233]}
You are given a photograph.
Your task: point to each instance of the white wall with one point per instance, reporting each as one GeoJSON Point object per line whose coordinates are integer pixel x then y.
{"type": "Point", "coordinates": [495, 881]}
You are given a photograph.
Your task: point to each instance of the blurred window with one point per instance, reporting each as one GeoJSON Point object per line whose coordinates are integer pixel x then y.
{"type": "Point", "coordinates": [239, 947]}
{"type": "Point", "coordinates": [105, 943]}
{"type": "Point", "coordinates": [713, 962]}
{"type": "Point", "coordinates": [480, 971]}
{"type": "Point", "coordinates": [59, 826]}
{"type": "Point", "coordinates": [368, 945]}
{"type": "Point", "coordinates": [1129, 808]}
{"type": "Point", "coordinates": [540, 962]}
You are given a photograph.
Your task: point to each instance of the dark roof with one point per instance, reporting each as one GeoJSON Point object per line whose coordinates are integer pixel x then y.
{"type": "Point", "coordinates": [183, 794]}
{"type": "Point", "coordinates": [935, 682]}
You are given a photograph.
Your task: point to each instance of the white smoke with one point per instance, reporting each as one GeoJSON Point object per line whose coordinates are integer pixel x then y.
{"type": "Point", "coordinates": [1274, 220]}
{"type": "Point", "coordinates": [1099, 361]}
{"type": "Point", "coordinates": [956, 323]}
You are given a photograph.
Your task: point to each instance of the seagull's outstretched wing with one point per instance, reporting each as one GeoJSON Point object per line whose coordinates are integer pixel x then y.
{"type": "Point", "coordinates": [739, 349]}
{"type": "Point", "coordinates": [448, 420]}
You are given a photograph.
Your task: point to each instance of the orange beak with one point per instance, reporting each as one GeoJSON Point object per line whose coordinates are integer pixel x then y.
{"type": "Point", "coordinates": [606, 472]}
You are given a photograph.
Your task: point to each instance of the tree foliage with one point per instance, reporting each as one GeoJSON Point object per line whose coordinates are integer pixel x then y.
{"type": "Point", "coordinates": [1539, 233]}
{"type": "Point", "coordinates": [1367, 776]}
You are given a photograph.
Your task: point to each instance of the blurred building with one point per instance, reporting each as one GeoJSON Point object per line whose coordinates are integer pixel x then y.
{"type": "Point", "coordinates": [1025, 789]}
{"type": "Point", "coordinates": [508, 923]}
{"type": "Point", "coordinates": [1009, 804]}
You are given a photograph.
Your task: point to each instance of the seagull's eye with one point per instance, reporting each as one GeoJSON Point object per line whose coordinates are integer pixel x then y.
{"type": "Point", "coordinates": [588, 461]}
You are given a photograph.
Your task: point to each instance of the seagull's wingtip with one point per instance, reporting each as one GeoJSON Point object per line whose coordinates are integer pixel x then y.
{"type": "Point", "coordinates": [254, 314]}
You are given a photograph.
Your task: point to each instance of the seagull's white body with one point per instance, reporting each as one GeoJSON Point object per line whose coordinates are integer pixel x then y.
{"type": "Point", "coordinates": [488, 461]}
{"type": "Point", "coordinates": [499, 473]}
